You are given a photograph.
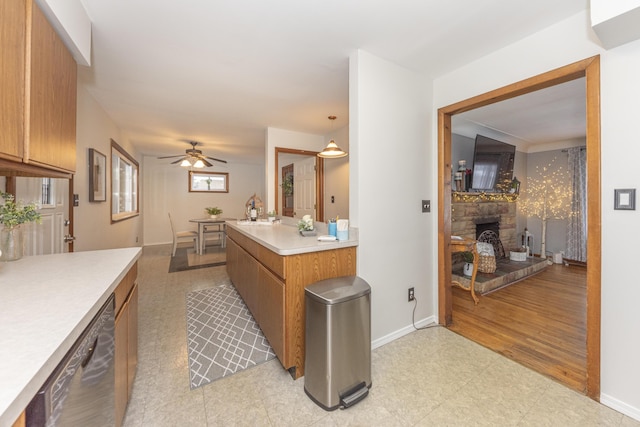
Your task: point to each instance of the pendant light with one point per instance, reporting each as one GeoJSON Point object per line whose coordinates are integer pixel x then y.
{"type": "Point", "coordinates": [332, 151]}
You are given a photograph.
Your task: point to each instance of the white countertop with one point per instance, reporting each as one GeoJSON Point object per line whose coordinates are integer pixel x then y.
{"type": "Point", "coordinates": [284, 238]}
{"type": "Point", "coordinates": [45, 304]}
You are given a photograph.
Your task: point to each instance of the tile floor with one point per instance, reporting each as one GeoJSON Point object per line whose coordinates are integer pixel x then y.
{"type": "Point", "coordinates": [427, 378]}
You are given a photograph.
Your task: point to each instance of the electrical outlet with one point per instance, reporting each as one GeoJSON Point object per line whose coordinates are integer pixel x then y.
{"type": "Point", "coordinates": [411, 295]}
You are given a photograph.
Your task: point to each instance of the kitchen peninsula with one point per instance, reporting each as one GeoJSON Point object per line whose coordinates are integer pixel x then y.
{"type": "Point", "coordinates": [45, 304]}
{"type": "Point", "coordinates": [270, 265]}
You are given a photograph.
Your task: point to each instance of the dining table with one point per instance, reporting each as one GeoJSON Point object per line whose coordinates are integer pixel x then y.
{"type": "Point", "coordinates": [203, 223]}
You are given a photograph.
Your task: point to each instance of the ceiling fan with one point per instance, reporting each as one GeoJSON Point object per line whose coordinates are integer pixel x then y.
{"type": "Point", "coordinates": [193, 157]}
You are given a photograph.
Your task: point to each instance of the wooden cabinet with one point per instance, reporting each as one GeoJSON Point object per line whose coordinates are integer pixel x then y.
{"type": "Point", "coordinates": [126, 339]}
{"type": "Point", "coordinates": [13, 18]}
{"type": "Point", "coordinates": [273, 285]}
{"type": "Point", "coordinates": [38, 82]}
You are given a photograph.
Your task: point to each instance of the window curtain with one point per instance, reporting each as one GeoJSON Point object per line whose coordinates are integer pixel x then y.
{"type": "Point", "coordinates": [577, 224]}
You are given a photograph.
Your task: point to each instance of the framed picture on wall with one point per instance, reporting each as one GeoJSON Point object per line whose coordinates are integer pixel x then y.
{"type": "Point", "coordinates": [97, 176]}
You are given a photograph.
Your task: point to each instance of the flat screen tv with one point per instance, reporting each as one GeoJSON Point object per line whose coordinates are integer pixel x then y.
{"type": "Point", "coordinates": [492, 165]}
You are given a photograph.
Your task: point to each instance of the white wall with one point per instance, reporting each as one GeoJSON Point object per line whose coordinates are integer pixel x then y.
{"type": "Point", "coordinates": [336, 178]}
{"type": "Point", "coordinates": [166, 191]}
{"type": "Point", "coordinates": [389, 107]}
{"type": "Point", "coordinates": [92, 221]}
{"type": "Point", "coordinates": [568, 41]}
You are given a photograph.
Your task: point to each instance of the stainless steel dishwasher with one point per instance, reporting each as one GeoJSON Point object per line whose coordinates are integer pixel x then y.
{"type": "Point", "coordinates": [80, 391]}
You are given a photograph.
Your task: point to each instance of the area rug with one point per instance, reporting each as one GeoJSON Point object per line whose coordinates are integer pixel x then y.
{"type": "Point", "coordinates": [222, 337]}
{"type": "Point", "coordinates": [188, 259]}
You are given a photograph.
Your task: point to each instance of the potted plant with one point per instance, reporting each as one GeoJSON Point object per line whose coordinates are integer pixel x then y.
{"type": "Point", "coordinates": [12, 216]}
{"type": "Point", "coordinates": [287, 185]}
{"type": "Point", "coordinates": [305, 226]}
{"type": "Point", "coordinates": [214, 212]}
{"type": "Point", "coordinates": [271, 215]}
{"type": "Point", "coordinates": [467, 269]}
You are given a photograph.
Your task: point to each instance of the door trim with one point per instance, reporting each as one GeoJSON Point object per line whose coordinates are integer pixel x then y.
{"type": "Point", "coordinates": [319, 178]}
{"type": "Point", "coordinates": [590, 69]}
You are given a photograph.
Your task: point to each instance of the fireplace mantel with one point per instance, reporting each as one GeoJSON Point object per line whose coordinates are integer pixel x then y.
{"type": "Point", "coordinates": [462, 197]}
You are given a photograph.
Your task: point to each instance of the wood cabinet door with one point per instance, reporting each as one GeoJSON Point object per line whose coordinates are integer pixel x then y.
{"type": "Point", "coordinates": [132, 338]}
{"type": "Point", "coordinates": [272, 322]}
{"type": "Point", "coordinates": [121, 363]}
{"type": "Point", "coordinates": [51, 98]}
{"type": "Point", "coordinates": [12, 69]}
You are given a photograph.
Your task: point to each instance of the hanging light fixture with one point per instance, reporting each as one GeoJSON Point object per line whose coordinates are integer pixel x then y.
{"type": "Point", "coordinates": [186, 163]}
{"type": "Point", "coordinates": [332, 151]}
{"type": "Point", "coordinates": [198, 164]}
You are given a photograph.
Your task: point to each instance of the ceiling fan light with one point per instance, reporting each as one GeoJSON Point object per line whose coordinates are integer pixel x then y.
{"type": "Point", "coordinates": [198, 164]}
{"type": "Point", "coordinates": [186, 163]}
{"type": "Point", "coordinates": [332, 151]}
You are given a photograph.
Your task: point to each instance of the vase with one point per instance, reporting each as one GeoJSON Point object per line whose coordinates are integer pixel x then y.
{"type": "Point", "coordinates": [214, 216]}
{"type": "Point", "coordinates": [11, 244]}
{"type": "Point", "coordinates": [468, 269]}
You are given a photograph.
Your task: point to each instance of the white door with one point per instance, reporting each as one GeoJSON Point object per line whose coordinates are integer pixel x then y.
{"type": "Point", "coordinates": [304, 184]}
{"type": "Point", "coordinates": [52, 195]}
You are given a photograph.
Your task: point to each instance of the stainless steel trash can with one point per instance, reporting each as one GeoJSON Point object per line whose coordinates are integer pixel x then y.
{"type": "Point", "coordinates": [337, 370]}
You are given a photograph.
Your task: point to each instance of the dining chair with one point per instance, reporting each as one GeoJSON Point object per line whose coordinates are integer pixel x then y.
{"type": "Point", "coordinates": [190, 234]}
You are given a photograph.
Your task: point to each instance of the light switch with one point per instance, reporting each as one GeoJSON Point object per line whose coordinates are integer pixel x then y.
{"type": "Point", "coordinates": [426, 206]}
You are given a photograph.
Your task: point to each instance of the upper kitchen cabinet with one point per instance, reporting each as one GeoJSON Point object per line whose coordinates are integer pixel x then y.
{"type": "Point", "coordinates": [13, 18]}
{"type": "Point", "coordinates": [41, 128]}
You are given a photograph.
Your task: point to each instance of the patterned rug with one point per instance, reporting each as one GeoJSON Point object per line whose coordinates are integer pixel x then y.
{"type": "Point", "coordinates": [188, 259]}
{"type": "Point", "coordinates": [222, 337]}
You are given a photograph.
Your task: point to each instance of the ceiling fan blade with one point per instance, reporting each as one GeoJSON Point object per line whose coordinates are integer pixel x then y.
{"type": "Point", "coordinates": [169, 157]}
{"type": "Point", "coordinates": [217, 160]}
{"type": "Point", "coordinates": [206, 162]}
{"type": "Point", "coordinates": [179, 160]}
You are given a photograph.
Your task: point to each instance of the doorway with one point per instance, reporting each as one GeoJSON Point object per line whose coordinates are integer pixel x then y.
{"type": "Point", "coordinates": [590, 69]}
{"type": "Point", "coordinates": [319, 178]}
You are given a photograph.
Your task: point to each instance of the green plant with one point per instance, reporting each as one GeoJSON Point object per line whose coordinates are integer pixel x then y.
{"type": "Point", "coordinates": [306, 223]}
{"type": "Point", "coordinates": [287, 185]}
{"type": "Point", "coordinates": [271, 213]}
{"type": "Point", "coordinates": [13, 214]}
{"type": "Point", "coordinates": [468, 256]}
{"type": "Point", "coordinates": [214, 211]}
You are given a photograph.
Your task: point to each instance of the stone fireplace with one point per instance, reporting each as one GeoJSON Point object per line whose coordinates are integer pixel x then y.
{"type": "Point", "coordinates": [469, 219]}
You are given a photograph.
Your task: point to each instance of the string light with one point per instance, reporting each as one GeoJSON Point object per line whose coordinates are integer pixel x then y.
{"type": "Point", "coordinates": [547, 196]}
{"type": "Point", "coordinates": [461, 197]}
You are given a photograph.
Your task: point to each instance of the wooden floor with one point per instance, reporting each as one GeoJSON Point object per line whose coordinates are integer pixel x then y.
{"type": "Point", "coordinates": [539, 322]}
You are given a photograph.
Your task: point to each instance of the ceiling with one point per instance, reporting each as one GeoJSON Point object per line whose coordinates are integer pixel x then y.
{"type": "Point", "coordinates": [556, 116]}
{"type": "Point", "coordinates": [221, 72]}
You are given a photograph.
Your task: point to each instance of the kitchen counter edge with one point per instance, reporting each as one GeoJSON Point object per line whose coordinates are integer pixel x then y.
{"type": "Point", "coordinates": [284, 239]}
{"type": "Point", "coordinates": [102, 269]}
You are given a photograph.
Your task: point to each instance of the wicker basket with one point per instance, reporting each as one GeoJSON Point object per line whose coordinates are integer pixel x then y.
{"type": "Point", "coordinates": [486, 263]}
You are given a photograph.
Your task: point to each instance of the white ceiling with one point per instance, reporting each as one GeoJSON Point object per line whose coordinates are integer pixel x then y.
{"type": "Point", "coordinates": [221, 72]}
{"type": "Point", "coordinates": [552, 117]}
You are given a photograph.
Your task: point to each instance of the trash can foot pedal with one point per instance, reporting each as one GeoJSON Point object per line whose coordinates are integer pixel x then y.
{"type": "Point", "coordinates": [354, 395]}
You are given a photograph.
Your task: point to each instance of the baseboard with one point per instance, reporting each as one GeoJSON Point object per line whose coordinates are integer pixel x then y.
{"type": "Point", "coordinates": [402, 332]}
{"type": "Point", "coordinates": [620, 406]}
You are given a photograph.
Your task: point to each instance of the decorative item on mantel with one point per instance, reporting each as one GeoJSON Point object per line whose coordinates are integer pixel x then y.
{"type": "Point", "coordinates": [12, 216]}
{"type": "Point", "coordinates": [213, 212]}
{"type": "Point", "coordinates": [460, 197]}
